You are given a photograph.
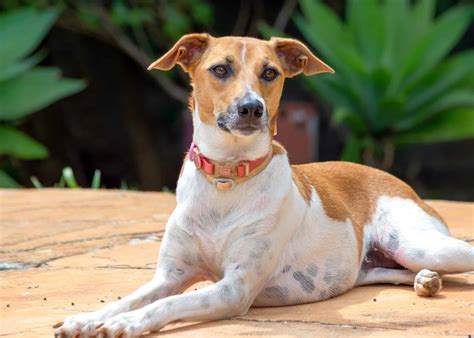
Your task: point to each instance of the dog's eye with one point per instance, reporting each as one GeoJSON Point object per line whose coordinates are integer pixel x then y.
{"type": "Point", "coordinates": [220, 71]}
{"type": "Point", "coordinates": [270, 74]}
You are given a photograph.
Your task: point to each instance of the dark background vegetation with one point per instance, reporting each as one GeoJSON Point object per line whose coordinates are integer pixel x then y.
{"type": "Point", "coordinates": [125, 124]}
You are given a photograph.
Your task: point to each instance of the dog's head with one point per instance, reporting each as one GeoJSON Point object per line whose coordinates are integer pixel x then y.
{"type": "Point", "coordinates": [238, 81]}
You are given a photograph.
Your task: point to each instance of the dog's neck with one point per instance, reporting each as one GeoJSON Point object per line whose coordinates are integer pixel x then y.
{"type": "Point", "coordinates": [222, 146]}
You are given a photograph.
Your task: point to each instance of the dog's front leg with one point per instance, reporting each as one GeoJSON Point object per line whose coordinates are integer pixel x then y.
{"type": "Point", "coordinates": [162, 285]}
{"type": "Point", "coordinates": [174, 273]}
{"type": "Point", "coordinates": [231, 296]}
{"type": "Point", "coordinates": [249, 261]}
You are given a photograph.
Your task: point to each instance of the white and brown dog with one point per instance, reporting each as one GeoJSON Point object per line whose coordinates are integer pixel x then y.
{"type": "Point", "coordinates": [266, 232]}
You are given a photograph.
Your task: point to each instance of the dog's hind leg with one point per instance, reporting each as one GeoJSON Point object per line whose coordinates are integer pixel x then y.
{"type": "Point", "coordinates": [434, 251]}
{"type": "Point", "coordinates": [407, 235]}
{"type": "Point", "coordinates": [425, 282]}
{"type": "Point", "coordinates": [416, 240]}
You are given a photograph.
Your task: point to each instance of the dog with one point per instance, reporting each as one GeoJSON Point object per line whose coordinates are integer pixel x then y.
{"type": "Point", "coordinates": [268, 233]}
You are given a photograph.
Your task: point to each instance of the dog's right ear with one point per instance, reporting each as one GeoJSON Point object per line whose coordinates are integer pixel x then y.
{"type": "Point", "coordinates": [185, 52]}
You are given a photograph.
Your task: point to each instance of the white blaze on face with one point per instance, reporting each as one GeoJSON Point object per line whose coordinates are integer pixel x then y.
{"type": "Point", "coordinates": [244, 52]}
{"type": "Point", "coordinates": [251, 94]}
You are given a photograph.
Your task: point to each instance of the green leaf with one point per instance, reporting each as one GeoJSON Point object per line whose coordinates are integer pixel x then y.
{"type": "Point", "coordinates": [350, 119]}
{"type": "Point", "coordinates": [421, 18]}
{"type": "Point", "coordinates": [7, 182]}
{"type": "Point", "coordinates": [369, 37]}
{"type": "Point", "coordinates": [34, 90]}
{"type": "Point", "coordinates": [448, 126]}
{"type": "Point", "coordinates": [331, 91]}
{"type": "Point", "coordinates": [436, 43]}
{"type": "Point", "coordinates": [69, 178]}
{"type": "Point", "coordinates": [96, 179]}
{"type": "Point", "coordinates": [395, 14]}
{"type": "Point", "coordinates": [36, 183]}
{"type": "Point", "coordinates": [391, 109]}
{"type": "Point", "coordinates": [458, 98]}
{"type": "Point", "coordinates": [446, 76]}
{"type": "Point", "coordinates": [21, 66]}
{"type": "Point", "coordinates": [21, 31]}
{"type": "Point", "coordinates": [17, 144]}
{"type": "Point", "coordinates": [352, 149]}
{"type": "Point", "coordinates": [324, 30]}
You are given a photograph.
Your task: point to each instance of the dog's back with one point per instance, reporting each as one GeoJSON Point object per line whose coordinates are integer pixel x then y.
{"type": "Point", "coordinates": [349, 190]}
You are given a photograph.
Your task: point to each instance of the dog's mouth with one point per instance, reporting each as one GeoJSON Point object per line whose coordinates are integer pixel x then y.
{"type": "Point", "coordinates": [238, 127]}
{"type": "Point", "coordinates": [246, 131]}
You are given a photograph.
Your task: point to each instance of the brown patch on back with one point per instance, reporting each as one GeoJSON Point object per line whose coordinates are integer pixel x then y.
{"type": "Point", "coordinates": [350, 191]}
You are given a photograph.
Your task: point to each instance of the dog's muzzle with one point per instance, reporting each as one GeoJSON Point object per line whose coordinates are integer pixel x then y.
{"type": "Point", "coordinates": [247, 118]}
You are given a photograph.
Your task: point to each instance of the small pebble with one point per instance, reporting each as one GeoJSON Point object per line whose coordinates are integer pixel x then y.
{"type": "Point", "coordinates": [72, 303]}
{"type": "Point", "coordinates": [119, 297]}
{"type": "Point", "coordinates": [44, 298]}
{"type": "Point", "coordinates": [8, 305]}
{"type": "Point", "coordinates": [375, 299]}
{"type": "Point", "coordinates": [102, 301]}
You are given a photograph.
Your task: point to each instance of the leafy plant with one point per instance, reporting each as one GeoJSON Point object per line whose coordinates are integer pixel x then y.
{"type": "Point", "coordinates": [395, 83]}
{"type": "Point", "coordinates": [24, 87]}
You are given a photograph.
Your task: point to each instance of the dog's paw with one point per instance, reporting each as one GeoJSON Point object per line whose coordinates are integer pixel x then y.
{"type": "Point", "coordinates": [427, 283]}
{"type": "Point", "coordinates": [125, 325]}
{"type": "Point", "coordinates": [78, 326]}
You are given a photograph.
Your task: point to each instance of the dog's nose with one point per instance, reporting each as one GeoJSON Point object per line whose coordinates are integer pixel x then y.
{"type": "Point", "coordinates": [251, 108]}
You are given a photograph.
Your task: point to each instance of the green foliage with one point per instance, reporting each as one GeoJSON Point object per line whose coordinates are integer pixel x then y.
{"type": "Point", "coordinates": [395, 81]}
{"type": "Point", "coordinates": [129, 17]}
{"type": "Point", "coordinates": [34, 90]}
{"type": "Point", "coordinates": [6, 181]}
{"type": "Point", "coordinates": [96, 179]}
{"type": "Point", "coordinates": [69, 180]}
{"type": "Point", "coordinates": [17, 144]}
{"type": "Point", "coordinates": [170, 18]}
{"type": "Point", "coordinates": [25, 88]}
{"type": "Point", "coordinates": [179, 16]}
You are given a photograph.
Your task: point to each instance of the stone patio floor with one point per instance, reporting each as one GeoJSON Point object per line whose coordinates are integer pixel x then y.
{"type": "Point", "coordinates": [68, 251]}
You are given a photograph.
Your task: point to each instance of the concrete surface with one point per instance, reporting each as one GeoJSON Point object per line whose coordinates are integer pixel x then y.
{"type": "Point", "coordinates": [79, 249]}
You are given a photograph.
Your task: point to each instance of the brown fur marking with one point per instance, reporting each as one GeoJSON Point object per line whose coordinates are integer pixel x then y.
{"type": "Point", "coordinates": [350, 191]}
{"type": "Point", "coordinates": [278, 148]}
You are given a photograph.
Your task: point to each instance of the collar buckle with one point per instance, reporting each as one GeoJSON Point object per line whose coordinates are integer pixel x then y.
{"type": "Point", "coordinates": [223, 183]}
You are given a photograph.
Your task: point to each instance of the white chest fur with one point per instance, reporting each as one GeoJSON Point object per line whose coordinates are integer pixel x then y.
{"type": "Point", "coordinates": [220, 221]}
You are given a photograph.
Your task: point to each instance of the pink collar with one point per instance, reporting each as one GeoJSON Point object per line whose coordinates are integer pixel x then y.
{"type": "Point", "coordinates": [224, 176]}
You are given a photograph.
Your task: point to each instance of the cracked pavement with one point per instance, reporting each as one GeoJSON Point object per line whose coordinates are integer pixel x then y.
{"type": "Point", "coordinates": [80, 249]}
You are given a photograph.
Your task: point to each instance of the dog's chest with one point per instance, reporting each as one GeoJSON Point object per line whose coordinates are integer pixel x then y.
{"type": "Point", "coordinates": [224, 238]}
{"type": "Point", "coordinates": [224, 225]}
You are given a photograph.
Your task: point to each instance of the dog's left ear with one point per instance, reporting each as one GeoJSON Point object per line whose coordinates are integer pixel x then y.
{"type": "Point", "coordinates": [185, 52]}
{"type": "Point", "coordinates": [296, 58]}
